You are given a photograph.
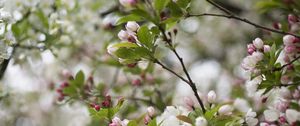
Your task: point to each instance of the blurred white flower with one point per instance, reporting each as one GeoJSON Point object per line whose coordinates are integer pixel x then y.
{"type": "Point", "coordinates": [200, 121]}
{"type": "Point", "coordinates": [225, 110]}
{"type": "Point", "coordinates": [211, 96]}
{"type": "Point", "coordinates": [250, 118]}
{"type": "Point", "coordinates": [271, 115]}
{"type": "Point", "coordinates": [292, 115]}
{"type": "Point", "coordinates": [288, 40]}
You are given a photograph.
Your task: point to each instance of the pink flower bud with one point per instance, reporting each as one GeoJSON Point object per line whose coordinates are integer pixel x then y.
{"type": "Point", "coordinates": [296, 94]}
{"type": "Point", "coordinates": [136, 82]}
{"type": "Point", "coordinates": [277, 25]}
{"type": "Point", "coordinates": [258, 43]}
{"type": "Point", "coordinates": [288, 40]}
{"type": "Point", "coordinates": [132, 26]}
{"type": "Point", "coordinates": [285, 79]}
{"type": "Point", "coordinates": [225, 110]}
{"type": "Point", "coordinates": [267, 48]}
{"type": "Point", "coordinates": [128, 3]}
{"type": "Point", "coordinates": [290, 49]}
{"type": "Point", "coordinates": [147, 119]}
{"type": "Point", "coordinates": [123, 35]}
{"type": "Point", "coordinates": [292, 19]}
{"type": "Point", "coordinates": [211, 97]}
{"type": "Point", "coordinates": [151, 111]}
{"type": "Point", "coordinates": [250, 51]}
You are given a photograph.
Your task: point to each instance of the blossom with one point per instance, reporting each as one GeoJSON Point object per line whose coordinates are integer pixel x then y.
{"type": "Point", "coordinates": [267, 48]}
{"type": "Point", "coordinates": [211, 97]}
{"type": "Point", "coordinates": [123, 35]}
{"type": "Point", "coordinates": [250, 118]}
{"type": "Point", "coordinates": [132, 26]}
{"type": "Point", "coordinates": [201, 121]}
{"type": "Point", "coordinates": [151, 111]}
{"type": "Point", "coordinates": [225, 110]}
{"type": "Point", "coordinates": [258, 43]}
{"type": "Point", "coordinates": [271, 115]}
{"type": "Point", "coordinates": [292, 115]}
{"type": "Point", "coordinates": [288, 40]}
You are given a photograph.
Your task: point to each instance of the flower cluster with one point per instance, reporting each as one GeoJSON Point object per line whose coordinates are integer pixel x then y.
{"type": "Point", "coordinates": [256, 52]}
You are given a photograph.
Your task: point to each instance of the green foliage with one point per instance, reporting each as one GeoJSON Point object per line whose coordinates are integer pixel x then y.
{"type": "Point", "coordinates": [145, 36]}
{"type": "Point", "coordinates": [160, 4]}
{"type": "Point", "coordinates": [131, 17]}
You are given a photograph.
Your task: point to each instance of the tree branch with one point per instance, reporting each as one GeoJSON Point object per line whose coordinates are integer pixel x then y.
{"type": "Point", "coordinates": [245, 21]}
{"type": "Point", "coordinates": [285, 65]}
{"type": "Point", "coordinates": [189, 81]}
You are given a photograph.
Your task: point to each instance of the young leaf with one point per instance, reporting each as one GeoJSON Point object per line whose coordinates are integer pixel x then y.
{"type": "Point", "coordinates": [160, 4]}
{"type": "Point", "coordinates": [183, 3]}
{"type": "Point", "coordinates": [132, 123]}
{"type": "Point", "coordinates": [152, 123]}
{"type": "Point", "coordinates": [145, 37]}
{"type": "Point", "coordinates": [79, 79]}
{"type": "Point", "coordinates": [131, 17]}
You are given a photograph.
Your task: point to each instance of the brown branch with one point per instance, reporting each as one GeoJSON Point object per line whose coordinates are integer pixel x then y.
{"type": "Point", "coordinates": [189, 81]}
{"type": "Point", "coordinates": [245, 21]}
{"type": "Point", "coordinates": [285, 65]}
{"type": "Point", "coordinates": [220, 7]}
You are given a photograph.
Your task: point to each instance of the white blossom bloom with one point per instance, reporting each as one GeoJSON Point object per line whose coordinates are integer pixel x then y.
{"type": "Point", "coordinates": [211, 96]}
{"type": "Point", "coordinates": [250, 118]}
{"type": "Point", "coordinates": [201, 121]}
{"type": "Point", "coordinates": [132, 26]}
{"type": "Point", "coordinates": [258, 43]}
{"type": "Point", "coordinates": [292, 115]}
{"type": "Point", "coordinates": [288, 40]}
{"type": "Point", "coordinates": [271, 115]}
{"type": "Point", "coordinates": [225, 110]}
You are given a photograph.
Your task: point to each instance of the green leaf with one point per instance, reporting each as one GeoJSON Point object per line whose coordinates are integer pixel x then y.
{"type": "Point", "coordinates": [102, 113]}
{"type": "Point", "coordinates": [143, 13]}
{"type": "Point", "coordinates": [183, 3]}
{"type": "Point", "coordinates": [131, 17]}
{"type": "Point", "coordinates": [175, 9]}
{"type": "Point", "coordinates": [79, 79]}
{"type": "Point", "coordinates": [125, 44]}
{"type": "Point", "coordinates": [210, 113]}
{"type": "Point", "coordinates": [127, 53]}
{"type": "Point", "coordinates": [145, 37]}
{"type": "Point", "coordinates": [160, 4]}
{"type": "Point", "coordinates": [152, 123]}
{"type": "Point", "coordinates": [184, 119]}
{"type": "Point", "coordinates": [132, 123]}
{"type": "Point", "coordinates": [119, 105]}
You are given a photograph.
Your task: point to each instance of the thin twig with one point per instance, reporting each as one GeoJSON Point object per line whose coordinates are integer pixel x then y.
{"type": "Point", "coordinates": [189, 81]}
{"type": "Point", "coordinates": [220, 7]}
{"type": "Point", "coordinates": [245, 21]}
{"type": "Point", "coordinates": [285, 65]}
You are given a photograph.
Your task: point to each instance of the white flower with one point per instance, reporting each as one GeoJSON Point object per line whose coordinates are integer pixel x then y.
{"type": "Point", "coordinates": [123, 35]}
{"type": "Point", "coordinates": [250, 118]}
{"type": "Point", "coordinates": [211, 97]}
{"type": "Point", "coordinates": [225, 110]}
{"type": "Point", "coordinates": [241, 105]}
{"type": "Point", "coordinates": [151, 111]}
{"type": "Point", "coordinates": [5, 16]}
{"type": "Point", "coordinates": [248, 63]}
{"type": "Point", "coordinates": [288, 39]}
{"type": "Point", "coordinates": [251, 86]}
{"type": "Point", "coordinates": [258, 56]}
{"type": "Point", "coordinates": [271, 115]}
{"type": "Point", "coordinates": [267, 48]}
{"type": "Point", "coordinates": [292, 115]}
{"type": "Point", "coordinates": [285, 93]}
{"type": "Point", "coordinates": [200, 121]}
{"type": "Point", "coordinates": [258, 43]}
{"type": "Point", "coordinates": [132, 26]}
